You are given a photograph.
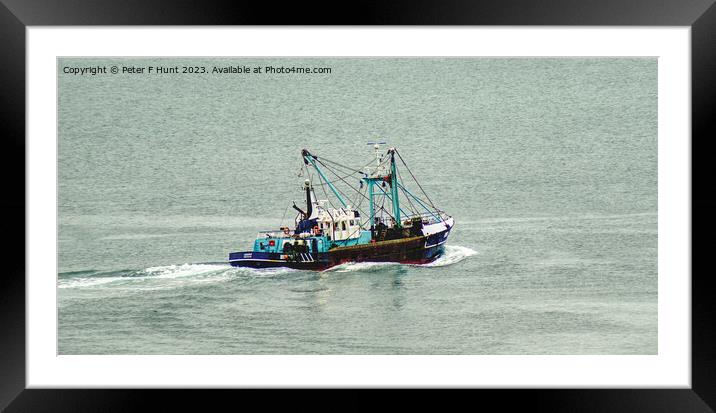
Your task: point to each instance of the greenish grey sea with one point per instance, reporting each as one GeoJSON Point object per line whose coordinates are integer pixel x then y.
{"type": "Point", "coordinates": [548, 165]}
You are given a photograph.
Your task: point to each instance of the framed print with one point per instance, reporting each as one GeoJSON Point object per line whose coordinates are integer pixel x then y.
{"type": "Point", "coordinates": [504, 203]}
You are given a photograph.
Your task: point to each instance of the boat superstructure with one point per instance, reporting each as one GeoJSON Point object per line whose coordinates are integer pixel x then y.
{"type": "Point", "coordinates": [357, 228]}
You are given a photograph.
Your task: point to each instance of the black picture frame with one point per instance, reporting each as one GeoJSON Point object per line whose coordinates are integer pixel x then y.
{"type": "Point", "coordinates": [15, 15]}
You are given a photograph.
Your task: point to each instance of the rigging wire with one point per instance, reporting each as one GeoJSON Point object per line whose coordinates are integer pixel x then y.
{"type": "Point", "coordinates": [413, 209]}
{"type": "Point", "coordinates": [338, 170]}
{"type": "Point", "coordinates": [352, 170]}
{"type": "Point", "coordinates": [385, 193]}
{"type": "Point", "coordinates": [340, 165]}
{"type": "Point", "coordinates": [416, 181]}
{"type": "Point", "coordinates": [284, 215]}
{"type": "Point", "coordinates": [360, 201]}
{"type": "Point", "coordinates": [341, 192]}
{"type": "Point", "coordinates": [323, 187]}
{"type": "Point", "coordinates": [336, 180]}
{"type": "Point", "coordinates": [344, 181]}
{"type": "Point", "coordinates": [382, 205]}
{"type": "Point", "coordinates": [342, 172]}
{"type": "Point", "coordinates": [381, 209]}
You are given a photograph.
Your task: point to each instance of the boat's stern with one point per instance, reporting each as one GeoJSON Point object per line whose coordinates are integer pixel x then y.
{"type": "Point", "coordinates": [255, 259]}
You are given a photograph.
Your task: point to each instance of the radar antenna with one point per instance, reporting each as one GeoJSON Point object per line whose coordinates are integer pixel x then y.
{"type": "Point", "coordinates": [378, 158]}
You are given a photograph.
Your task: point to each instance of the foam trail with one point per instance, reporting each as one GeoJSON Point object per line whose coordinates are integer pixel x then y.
{"type": "Point", "coordinates": [184, 270]}
{"type": "Point", "coordinates": [168, 276]}
{"type": "Point", "coordinates": [453, 254]}
{"type": "Point", "coordinates": [83, 282]}
{"type": "Point", "coordinates": [172, 276]}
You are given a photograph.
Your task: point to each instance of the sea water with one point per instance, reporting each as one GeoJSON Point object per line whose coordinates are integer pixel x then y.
{"type": "Point", "coordinates": [549, 167]}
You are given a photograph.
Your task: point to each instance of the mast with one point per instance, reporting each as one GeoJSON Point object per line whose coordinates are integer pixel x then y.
{"type": "Point", "coordinates": [371, 177]}
{"type": "Point", "coordinates": [374, 176]}
{"type": "Point", "coordinates": [394, 188]}
{"type": "Point", "coordinates": [371, 204]}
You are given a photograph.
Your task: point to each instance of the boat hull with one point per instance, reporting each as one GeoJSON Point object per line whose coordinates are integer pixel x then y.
{"type": "Point", "coordinates": [415, 250]}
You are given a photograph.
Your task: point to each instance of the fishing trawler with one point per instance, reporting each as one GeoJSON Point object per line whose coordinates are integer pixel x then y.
{"type": "Point", "coordinates": [410, 230]}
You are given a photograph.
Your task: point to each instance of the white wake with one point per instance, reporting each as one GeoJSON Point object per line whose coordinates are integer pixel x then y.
{"type": "Point", "coordinates": [172, 276]}
{"type": "Point", "coordinates": [169, 276]}
{"type": "Point", "coordinates": [453, 254]}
